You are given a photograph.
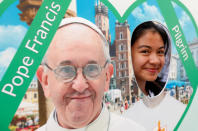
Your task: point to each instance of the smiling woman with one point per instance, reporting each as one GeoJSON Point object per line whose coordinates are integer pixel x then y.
{"type": "Point", "coordinates": [150, 47]}
{"type": "Point", "coordinates": [150, 52]}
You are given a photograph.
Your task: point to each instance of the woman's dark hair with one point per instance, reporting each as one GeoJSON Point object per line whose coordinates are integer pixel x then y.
{"type": "Point", "coordinates": [154, 86]}
{"type": "Point", "coordinates": [150, 25]}
{"type": "Point", "coordinates": [157, 85]}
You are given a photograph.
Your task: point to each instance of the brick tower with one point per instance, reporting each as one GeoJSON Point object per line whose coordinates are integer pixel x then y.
{"type": "Point", "coordinates": [123, 59]}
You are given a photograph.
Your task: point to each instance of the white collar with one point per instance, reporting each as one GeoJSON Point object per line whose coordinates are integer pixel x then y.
{"type": "Point", "coordinates": [153, 101]}
{"type": "Point", "coordinates": [101, 123]}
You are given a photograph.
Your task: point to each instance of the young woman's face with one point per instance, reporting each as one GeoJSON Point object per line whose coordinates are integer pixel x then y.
{"type": "Point", "coordinates": [148, 56]}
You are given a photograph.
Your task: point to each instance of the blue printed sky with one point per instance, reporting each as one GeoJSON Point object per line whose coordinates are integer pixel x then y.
{"type": "Point", "coordinates": [12, 30]}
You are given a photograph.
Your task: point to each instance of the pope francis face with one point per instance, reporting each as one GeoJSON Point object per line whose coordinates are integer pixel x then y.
{"type": "Point", "coordinates": [78, 101]}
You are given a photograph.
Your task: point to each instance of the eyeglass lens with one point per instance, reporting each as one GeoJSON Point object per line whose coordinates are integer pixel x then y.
{"type": "Point", "coordinates": [68, 72]}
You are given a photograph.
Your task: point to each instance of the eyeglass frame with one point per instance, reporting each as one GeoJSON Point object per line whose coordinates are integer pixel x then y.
{"type": "Point", "coordinates": [76, 69]}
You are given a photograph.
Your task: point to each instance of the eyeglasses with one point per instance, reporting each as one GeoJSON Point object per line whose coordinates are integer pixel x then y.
{"type": "Point", "coordinates": [68, 73]}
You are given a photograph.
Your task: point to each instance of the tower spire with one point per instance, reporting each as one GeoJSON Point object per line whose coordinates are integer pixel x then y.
{"type": "Point", "coordinates": [102, 19]}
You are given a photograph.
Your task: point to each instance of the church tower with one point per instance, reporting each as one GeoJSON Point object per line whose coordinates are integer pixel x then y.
{"type": "Point", "coordinates": [123, 59]}
{"type": "Point", "coordinates": [102, 19]}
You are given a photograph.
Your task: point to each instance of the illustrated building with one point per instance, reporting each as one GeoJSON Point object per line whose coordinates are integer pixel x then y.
{"type": "Point", "coordinates": [194, 51]}
{"type": "Point", "coordinates": [102, 21]}
{"type": "Point", "coordinates": [29, 9]}
{"type": "Point", "coordinates": [123, 59]}
{"type": "Point", "coordinates": [31, 94]}
{"type": "Point", "coordinates": [119, 50]}
{"type": "Point", "coordinates": [173, 67]}
{"type": "Point", "coordinates": [30, 100]}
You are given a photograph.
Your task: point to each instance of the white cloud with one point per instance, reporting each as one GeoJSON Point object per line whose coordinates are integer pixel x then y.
{"type": "Point", "coordinates": [174, 5]}
{"type": "Point", "coordinates": [148, 12]}
{"type": "Point", "coordinates": [6, 56]}
{"type": "Point", "coordinates": [184, 19]}
{"type": "Point", "coordinates": [151, 12]}
{"type": "Point", "coordinates": [1, 1]}
{"type": "Point", "coordinates": [5, 59]}
{"type": "Point", "coordinates": [138, 13]}
{"type": "Point", "coordinates": [11, 35]}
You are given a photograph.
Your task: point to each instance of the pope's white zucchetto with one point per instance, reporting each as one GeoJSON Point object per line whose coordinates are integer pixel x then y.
{"type": "Point", "coordinates": [80, 20]}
